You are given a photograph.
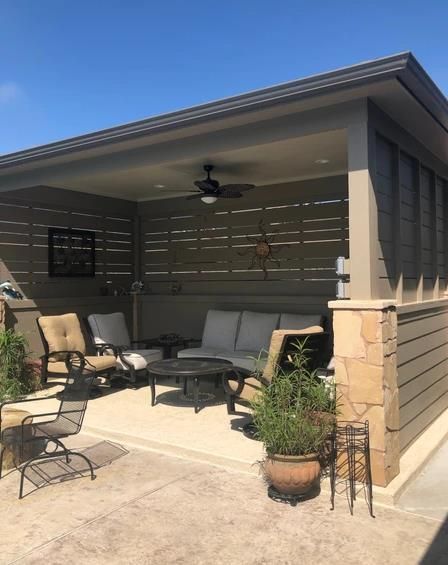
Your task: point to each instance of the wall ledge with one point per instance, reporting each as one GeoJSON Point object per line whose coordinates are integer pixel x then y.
{"type": "Point", "coordinates": [422, 306]}
{"type": "Point", "coordinates": [36, 303]}
{"type": "Point", "coordinates": [361, 304]}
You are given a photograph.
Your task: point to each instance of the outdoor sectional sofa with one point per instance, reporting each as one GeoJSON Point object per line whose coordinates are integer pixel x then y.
{"type": "Point", "coordinates": [244, 337]}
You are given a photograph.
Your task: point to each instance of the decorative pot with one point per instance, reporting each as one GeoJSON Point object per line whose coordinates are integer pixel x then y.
{"type": "Point", "coordinates": [292, 474]}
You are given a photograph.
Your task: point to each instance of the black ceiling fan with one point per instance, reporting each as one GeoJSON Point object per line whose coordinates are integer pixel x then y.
{"type": "Point", "coordinates": [209, 190]}
{"type": "Point", "coordinates": [211, 187]}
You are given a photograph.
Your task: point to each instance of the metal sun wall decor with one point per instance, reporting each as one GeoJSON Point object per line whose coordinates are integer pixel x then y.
{"type": "Point", "coordinates": [263, 251]}
{"type": "Point", "coordinates": [71, 253]}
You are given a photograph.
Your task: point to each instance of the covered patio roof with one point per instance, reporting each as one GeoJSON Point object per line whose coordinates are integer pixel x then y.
{"type": "Point", "coordinates": [267, 136]}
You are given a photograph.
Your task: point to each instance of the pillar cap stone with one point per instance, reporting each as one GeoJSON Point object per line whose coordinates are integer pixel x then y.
{"type": "Point", "coordinates": [361, 304]}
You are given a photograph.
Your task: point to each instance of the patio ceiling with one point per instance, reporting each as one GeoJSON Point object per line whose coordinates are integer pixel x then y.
{"type": "Point", "coordinates": [266, 164]}
{"type": "Point", "coordinates": [264, 137]}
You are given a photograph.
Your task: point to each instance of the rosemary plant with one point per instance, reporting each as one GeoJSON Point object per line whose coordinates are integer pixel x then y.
{"type": "Point", "coordinates": [17, 376]}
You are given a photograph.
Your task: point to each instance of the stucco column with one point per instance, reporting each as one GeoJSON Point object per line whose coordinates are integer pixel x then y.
{"type": "Point", "coordinates": [365, 350]}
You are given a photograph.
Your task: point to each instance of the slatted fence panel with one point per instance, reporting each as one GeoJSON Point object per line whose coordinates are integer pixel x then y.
{"type": "Point", "coordinates": [211, 250]}
{"type": "Point", "coordinates": [24, 242]}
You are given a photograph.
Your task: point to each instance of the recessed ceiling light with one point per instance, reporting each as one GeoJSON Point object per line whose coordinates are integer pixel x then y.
{"type": "Point", "coordinates": [322, 161]}
{"type": "Point", "coordinates": [159, 186]}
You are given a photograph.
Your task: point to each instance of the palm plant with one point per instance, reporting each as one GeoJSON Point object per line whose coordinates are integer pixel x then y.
{"type": "Point", "coordinates": [17, 375]}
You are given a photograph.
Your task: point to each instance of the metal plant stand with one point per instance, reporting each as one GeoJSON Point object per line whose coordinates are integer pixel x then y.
{"type": "Point", "coordinates": [350, 460]}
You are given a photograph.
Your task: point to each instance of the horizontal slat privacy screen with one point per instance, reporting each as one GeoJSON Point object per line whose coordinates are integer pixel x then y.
{"type": "Point", "coordinates": [24, 245]}
{"type": "Point", "coordinates": [412, 214]}
{"type": "Point", "coordinates": [207, 250]}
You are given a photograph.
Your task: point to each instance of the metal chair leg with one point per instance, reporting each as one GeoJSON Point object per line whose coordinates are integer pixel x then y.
{"type": "Point", "coordinates": [230, 404]}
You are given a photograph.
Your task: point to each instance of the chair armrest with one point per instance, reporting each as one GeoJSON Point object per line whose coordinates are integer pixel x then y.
{"type": "Point", "coordinates": [19, 401]}
{"type": "Point", "coordinates": [101, 348]}
{"type": "Point", "coordinates": [240, 378]}
{"type": "Point", "coordinates": [69, 354]}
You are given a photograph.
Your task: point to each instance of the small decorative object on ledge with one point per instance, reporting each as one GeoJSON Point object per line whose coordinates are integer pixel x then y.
{"type": "Point", "coordinates": [137, 287]}
{"type": "Point", "coordinates": [71, 253]}
{"type": "Point", "coordinates": [176, 288]}
{"type": "Point", "coordinates": [9, 292]}
{"type": "Point", "coordinates": [263, 250]}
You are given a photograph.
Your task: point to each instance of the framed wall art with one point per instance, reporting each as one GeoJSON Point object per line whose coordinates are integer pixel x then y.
{"type": "Point", "coordinates": [71, 253]}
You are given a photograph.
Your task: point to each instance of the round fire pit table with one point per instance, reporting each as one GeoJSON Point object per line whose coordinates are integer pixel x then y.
{"type": "Point", "coordinates": [189, 369]}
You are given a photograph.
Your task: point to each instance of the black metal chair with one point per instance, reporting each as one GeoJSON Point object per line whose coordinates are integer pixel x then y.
{"type": "Point", "coordinates": [67, 419]}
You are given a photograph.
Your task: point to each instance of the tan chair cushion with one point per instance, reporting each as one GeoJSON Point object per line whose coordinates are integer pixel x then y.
{"type": "Point", "coordinates": [101, 364]}
{"type": "Point", "coordinates": [252, 387]}
{"type": "Point", "coordinates": [277, 339]}
{"type": "Point", "coordinates": [62, 333]}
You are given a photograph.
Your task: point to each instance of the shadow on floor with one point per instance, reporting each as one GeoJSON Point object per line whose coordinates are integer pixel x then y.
{"type": "Point", "coordinates": [47, 472]}
{"type": "Point", "coordinates": [437, 552]}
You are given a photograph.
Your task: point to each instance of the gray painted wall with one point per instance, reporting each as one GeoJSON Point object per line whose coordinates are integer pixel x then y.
{"type": "Point", "coordinates": [422, 359]}
{"type": "Point", "coordinates": [26, 215]}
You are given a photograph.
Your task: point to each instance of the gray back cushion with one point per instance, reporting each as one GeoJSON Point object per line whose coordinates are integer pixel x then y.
{"type": "Point", "coordinates": [256, 331]}
{"type": "Point", "coordinates": [109, 328]}
{"type": "Point", "coordinates": [299, 321]}
{"type": "Point", "coordinates": [220, 329]}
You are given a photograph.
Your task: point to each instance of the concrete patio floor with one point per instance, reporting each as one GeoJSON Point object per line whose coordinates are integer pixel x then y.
{"type": "Point", "coordinates": [146, 507]}
{"type": "Point", "coordinates": [428, 493]}
{"type": "Point", "coordinates": [171, 426]}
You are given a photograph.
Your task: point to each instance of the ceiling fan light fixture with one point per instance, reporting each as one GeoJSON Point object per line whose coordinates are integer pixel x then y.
{"type": "Point", "coordinates": [209, 199]}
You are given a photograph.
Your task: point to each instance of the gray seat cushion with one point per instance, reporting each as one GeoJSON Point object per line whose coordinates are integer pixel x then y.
{"type": "Point", "coordinates": [299, 321]}
{"type": "Point", "coordinates": [220, 329]}
{"type": "Point", "coordinates": [249, 360]}
{"type": "Point", "coordinates": [255, 331]}
{"type": "Point", "coordinates": [140, 358]}
{"type": "Point", "coordinates": [109, 328]}
{"type": "Point", "coordinates": [198, 352]}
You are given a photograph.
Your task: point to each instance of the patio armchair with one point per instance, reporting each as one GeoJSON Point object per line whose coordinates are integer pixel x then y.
{"type": "Point", "coordinates": [66, 420]}
{"type": "Point", "coordinates": [110, 337]}
{"type": "Point", "coordinates": [62, 334]}
{"type": "Point", "coordinates": [243, 386]}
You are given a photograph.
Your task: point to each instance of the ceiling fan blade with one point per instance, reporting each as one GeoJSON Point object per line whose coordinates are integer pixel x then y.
{"type": "Point", "coordinates": [207, 185]}
{"type": "Point", "coordinates": [237, 187]}
{"type": "Point", "coordinates": [195, 196]}
{"type": "Point", "coordinates": [229, 194]}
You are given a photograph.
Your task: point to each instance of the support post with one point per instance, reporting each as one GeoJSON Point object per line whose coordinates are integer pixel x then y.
{"type": "Point", "coordinates": [365, 351]}
{"type": "Point", "coordinates": [363, 222]}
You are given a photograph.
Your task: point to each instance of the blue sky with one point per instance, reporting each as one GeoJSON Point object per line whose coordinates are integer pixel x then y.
{"type": "Point", "coordinates": [73, 66]}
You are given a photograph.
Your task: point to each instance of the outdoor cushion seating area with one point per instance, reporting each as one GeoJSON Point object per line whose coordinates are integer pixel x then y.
{"type": "Point", "coordinates": [110, 337]}
{"type": "Point", "coordinates": [244, 338]}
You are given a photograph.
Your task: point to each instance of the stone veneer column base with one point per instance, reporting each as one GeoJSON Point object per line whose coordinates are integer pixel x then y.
{"type": "Point", "coordinates": [365, 351]}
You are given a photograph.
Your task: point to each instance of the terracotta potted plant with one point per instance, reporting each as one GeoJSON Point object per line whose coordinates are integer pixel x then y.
{"type": "Point", "coordinates": [293, 417]}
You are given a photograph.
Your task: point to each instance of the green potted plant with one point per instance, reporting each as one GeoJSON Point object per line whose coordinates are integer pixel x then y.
{"type": "Point", "coordinates": [293, 417]}
{"type": "Point", "coordinates": [18, 375]}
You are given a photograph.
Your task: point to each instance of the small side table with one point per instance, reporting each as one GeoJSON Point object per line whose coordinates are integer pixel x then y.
{"type": "Point", "coordinates": [167, 344]}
